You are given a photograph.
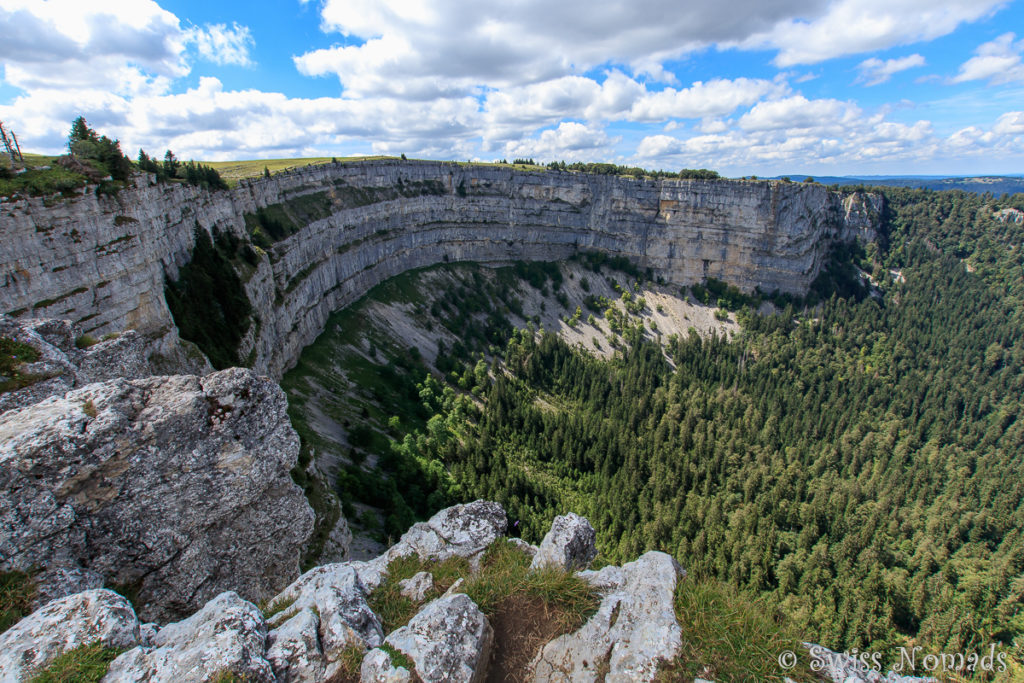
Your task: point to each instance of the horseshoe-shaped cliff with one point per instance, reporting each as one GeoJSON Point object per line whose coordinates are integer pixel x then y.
{"type": "Point", "coordinates": [103, 261]}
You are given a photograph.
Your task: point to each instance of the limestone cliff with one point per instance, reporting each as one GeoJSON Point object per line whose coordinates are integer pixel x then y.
{"type": "Point", "coordinates": [102, 261]}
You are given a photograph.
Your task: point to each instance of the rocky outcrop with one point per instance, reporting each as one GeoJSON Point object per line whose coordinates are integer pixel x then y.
{"type": "Point", "coordinates": [102, 261]}
{"type": "Point", "coordinates": [334, 600]}
{"type": "Point", "coordinates": [176, 488]}
{"type": "Point", "coordinates": [458, 531]}
{"type": "Point", "coordinates": [62, 625]}
{"type": "Point", "coordinates": [569, 545]}
{"type": "Point", "coordinates": [416, 587]}
{"type": "Point", "coordinates": [226, 636]}
{"type": "Point", "coordinates": [69, 359]}
{"type": "Point", "coordinates": [448, 640]}
{"type": "Point", "coordinates": [634, 629]}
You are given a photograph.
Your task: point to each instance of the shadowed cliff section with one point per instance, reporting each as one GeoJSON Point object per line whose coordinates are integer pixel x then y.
{"type": "Point", "coordinates": [327, 234]}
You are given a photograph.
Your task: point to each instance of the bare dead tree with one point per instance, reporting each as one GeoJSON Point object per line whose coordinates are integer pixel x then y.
{"type": "Point", "coordinates": [12, 148]}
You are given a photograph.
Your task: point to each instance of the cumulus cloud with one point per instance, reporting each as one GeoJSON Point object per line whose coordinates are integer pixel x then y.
{"type": "Point", "coordinates": [440, 47]}
{"type": "Point", "coordinates": [875, 71]}
{"type": "Point", "coordinates": [570, 140]}
{"type": "Point", "coordinates": [854, 26]}
{"type": "Point", "coordinates": [998, 61]}
{"type": "Point", "coordinates": [221, 44]}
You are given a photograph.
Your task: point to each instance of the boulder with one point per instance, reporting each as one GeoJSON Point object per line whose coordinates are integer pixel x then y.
{"type": "Point", "coordinates": [448, 640]}
{"type": "Point", "coordinates": [177, 487]}
{"type": "Point", "coordinates": [293, 650]}
{"type": "Point", "coordinates": [634, 629]}
{"type": "Point", "coordinates": [62, 625]}
{"type": "Point", "coordinates": [417, 587]}
{"type": "Point", "coordinates": [334, 593]}
{"type": "Point", "coordinates": [377, 667]}
{"type": "Point", "coordinates": [227, 635]}
{"type": "Point", "coordinates": [569, 545]}
{"type": "Point", "coordinates": [459, 531]}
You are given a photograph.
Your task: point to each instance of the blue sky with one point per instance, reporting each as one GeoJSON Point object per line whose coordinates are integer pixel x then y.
{"type": "Point", "coordinates": [838, 87]}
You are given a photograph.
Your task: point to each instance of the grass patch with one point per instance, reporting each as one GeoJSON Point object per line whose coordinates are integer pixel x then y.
{"type": "Point", "coordinates": [525, 608]}
{"type": "Point", "coordinates": [730, 636]}
{"type": "Point", "coordinates": [351, 660]}
{"type": "Point", "coordinates": [37, 182]}
{"type": "Point", "coordinates": [84, 664]}
{"type": "Point", "coordinates": [17, 590]}
{"type": "Point", "coordinates": [13, 354]}
{"type": "Point", "coordinates": [270, 610]}
{"type": "Point", "coordinates": [394, 609]}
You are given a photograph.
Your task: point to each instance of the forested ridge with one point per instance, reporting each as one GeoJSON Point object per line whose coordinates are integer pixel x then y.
{"type": "Point", "coordinates": [859, 461]}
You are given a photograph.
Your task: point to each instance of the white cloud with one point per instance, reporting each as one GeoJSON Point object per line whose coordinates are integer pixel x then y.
{"type": "Point", "coordinates": [223, 45]}
{"type": "Point", "coordinates": [874, 71]}
{"type": "Point", "coordinates": [444, 47]}
{"type": "Point", "coordinates": [998, 61]}
{"type": "Point", "coordinates": [855, 26]}
{"type": "Point", "coordinates": [571, 140]}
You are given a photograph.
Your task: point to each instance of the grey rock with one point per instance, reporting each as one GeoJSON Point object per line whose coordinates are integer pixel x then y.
{"type": "Point", "coordinates": [416, 587]}
{"type": "Point", "coordinates": [336, 593]}
{"type": "Point", "coordinates": [293, 650]}
{"type": "Point", "coordinates": [62, 625]}
{"type": "Point", "coordinates": [527, 548]}
{"type": "Point", "coordinates": [177, 486]}
{"type": "Point", "coordinates": [634, 629]}
{"type": "Point", "coordinates": [147, 632]}
{"type": "Point", "coordinates": [448, 640]}
{"type": "Point", "coordinates": [459, 531]}
{"type": "Point", "coordinates": [57, 582]}
{"type": "Point", "coordinates": [226, 635]}
{"type": "Point", "coordinates": [63, 366]}
{"type": "Point", "coordinates": [570, 544]}
{"type": "Point", "coordinates": [378, 668]}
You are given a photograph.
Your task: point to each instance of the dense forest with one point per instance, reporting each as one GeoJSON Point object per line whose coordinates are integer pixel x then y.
{"type": "Point", "coordinates": [856, 456]}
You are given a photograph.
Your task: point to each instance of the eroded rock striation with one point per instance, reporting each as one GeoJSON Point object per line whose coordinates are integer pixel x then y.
{"type": "Point", "coordinates": [175, 488]}
{"type": "Point", "coordinates": [103, 261]}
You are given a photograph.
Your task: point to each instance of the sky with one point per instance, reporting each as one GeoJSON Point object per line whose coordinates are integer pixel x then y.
{"type": "Point", "coordinates": [745, 87]}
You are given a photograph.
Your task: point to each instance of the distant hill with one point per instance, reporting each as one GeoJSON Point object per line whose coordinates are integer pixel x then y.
{"type": "Point", "coordinates": [997, 185]}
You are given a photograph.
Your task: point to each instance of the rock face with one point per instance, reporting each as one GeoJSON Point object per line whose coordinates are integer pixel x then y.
{"type": "Point", "coordinates": [62, 365]}
{"type": "Point", "coordinates": [448, 640]}
{"type": "Point", "coordinates": [226, 635]}
{"type": "Point", "coordinates": [336, 599]}
{"type": "Point", "coordinates": [570, 544]}
{"type": "Point", "coordinates": [175, 487]}
{"type": "Point", "coordinates": [634, 629]}
{"type": "Point", "coordinates": [102, 261]}
{"type": "Point", "coordinates": [62, 625]}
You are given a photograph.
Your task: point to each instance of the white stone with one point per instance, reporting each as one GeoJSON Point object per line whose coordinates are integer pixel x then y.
{"type": "Point", "coordinates": [570, 544]}
{"type": "Point", "coordinates": [337, 595]}
{"type": "Point", "coordinates": [293, 649]}
{"type": "Point", "coordinates": [227, 634]}
{"type": "Point", "coordinates": [378, 668]}
{"type": "Point", "coordinates": [62, 625]}
{"type": "Point", "coordinates": [634, 629]}
{"type": "Point", "coordinates": [448, 640]}
{"type": "Point", "coordinates": [416, 587]}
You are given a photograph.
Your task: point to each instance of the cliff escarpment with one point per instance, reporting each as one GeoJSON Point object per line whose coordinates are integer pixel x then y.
{"type": "Point", "coordinates": [329, 233]}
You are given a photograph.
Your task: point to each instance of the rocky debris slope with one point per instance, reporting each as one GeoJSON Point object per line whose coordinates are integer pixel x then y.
{"type": "Point", "coordinates": [323, 617]}
{"type": "Point", "coordinates": [102, 261]}
{"type": "Point", "coordinates": [174, 488]}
